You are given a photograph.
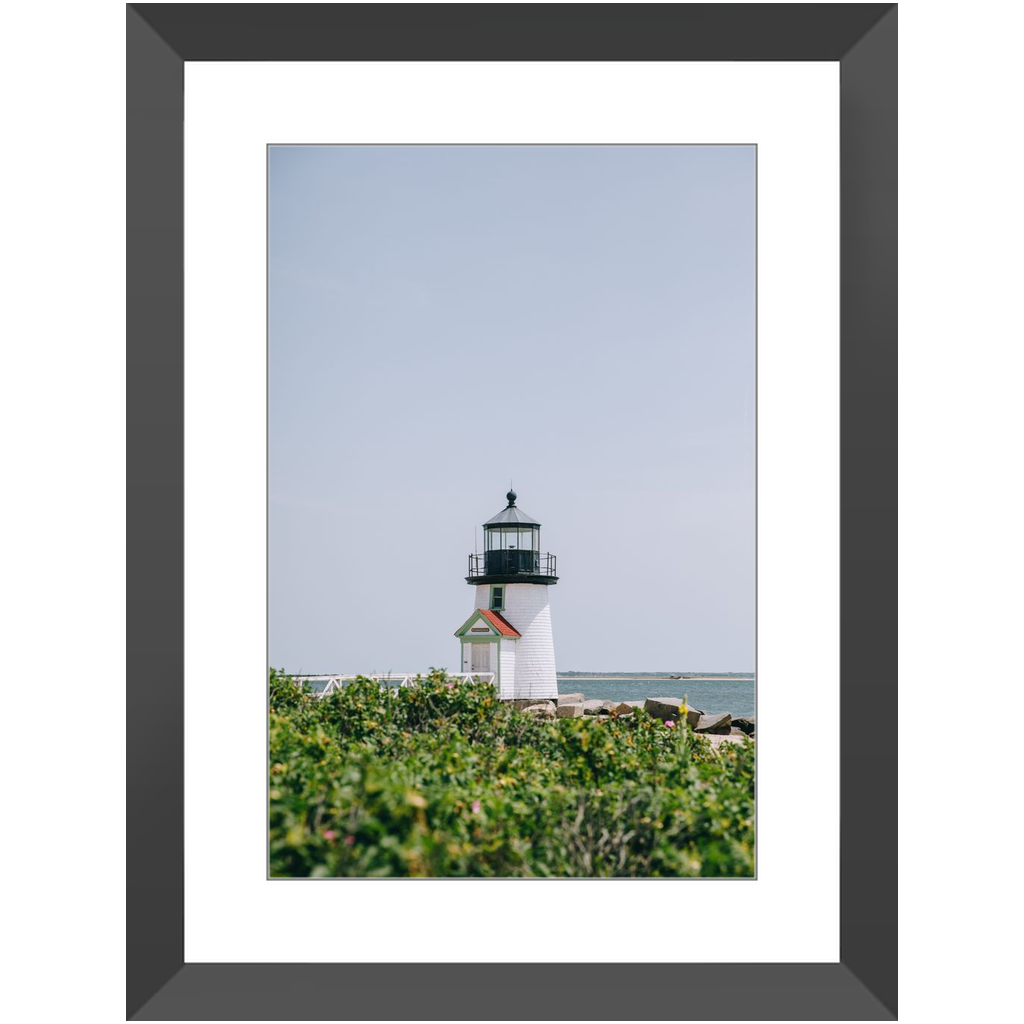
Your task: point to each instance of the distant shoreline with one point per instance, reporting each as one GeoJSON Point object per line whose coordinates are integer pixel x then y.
{"type": "Point", "coordinates": [667, 679]}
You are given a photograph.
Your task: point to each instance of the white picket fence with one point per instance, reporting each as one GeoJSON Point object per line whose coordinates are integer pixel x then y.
{"type": "Point", "coordinates": [336, 682]}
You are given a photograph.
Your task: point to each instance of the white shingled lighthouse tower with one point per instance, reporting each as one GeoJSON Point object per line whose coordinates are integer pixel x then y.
{"type": "Point", "coordinates": [509, 632]}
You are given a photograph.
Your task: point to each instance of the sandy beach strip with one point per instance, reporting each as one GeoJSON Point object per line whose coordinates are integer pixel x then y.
{"type": "Point", "coordinates": [657, 679]}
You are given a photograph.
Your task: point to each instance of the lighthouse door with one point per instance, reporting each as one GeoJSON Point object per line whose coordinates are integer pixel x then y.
{"type": "Point", "coordinates": [481, 660]}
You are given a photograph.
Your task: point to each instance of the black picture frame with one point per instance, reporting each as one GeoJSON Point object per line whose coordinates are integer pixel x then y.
{"type": "Point", "coordinates": [160, 38]}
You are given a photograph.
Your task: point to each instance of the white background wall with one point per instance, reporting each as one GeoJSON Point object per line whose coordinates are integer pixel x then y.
{"type": "Point", "coordinates": [81, 427]}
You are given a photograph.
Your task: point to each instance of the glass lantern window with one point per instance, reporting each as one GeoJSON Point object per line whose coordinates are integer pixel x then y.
{"type": "Point", "coordinates": [518, 538]}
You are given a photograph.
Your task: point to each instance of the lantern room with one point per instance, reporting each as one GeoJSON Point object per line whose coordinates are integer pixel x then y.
{"type": "Point", "coordinates": [512, 551]}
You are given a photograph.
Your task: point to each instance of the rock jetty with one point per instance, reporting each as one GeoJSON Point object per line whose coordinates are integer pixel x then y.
{"type": "Point", "coordinates": [721, 727]}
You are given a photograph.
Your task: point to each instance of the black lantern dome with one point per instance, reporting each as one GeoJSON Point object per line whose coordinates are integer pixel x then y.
{"type": "Point", "coordinates": [512, 551]}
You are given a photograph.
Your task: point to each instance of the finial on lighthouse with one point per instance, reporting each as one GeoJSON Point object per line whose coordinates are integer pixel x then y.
{"type": "Point", "coordinates": [511, 498]}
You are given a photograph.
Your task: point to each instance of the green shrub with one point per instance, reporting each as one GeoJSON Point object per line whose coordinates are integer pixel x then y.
{"type": "Point", "coordinates": [443, 779]}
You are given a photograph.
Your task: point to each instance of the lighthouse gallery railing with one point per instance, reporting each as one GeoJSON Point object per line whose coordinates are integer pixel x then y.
{"type": "Point", "coordinates": [511, 561]}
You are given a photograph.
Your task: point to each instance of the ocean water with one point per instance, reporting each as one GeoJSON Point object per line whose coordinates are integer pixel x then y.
{"type": "Point", "coordinates": [735, 695]}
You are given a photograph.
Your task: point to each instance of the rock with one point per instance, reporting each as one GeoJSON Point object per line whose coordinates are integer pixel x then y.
{"type": "Point", "coordinates": [597, 707]}
{"type": "Point", "coordinates": [569, 711]}
{"type": "Point", "coordinates": [746, 724]}
{"type": "Point", "coordinates": [693, 716]}
{"type": "Point", "coordinates": [524, 702]}
{"type": "Point", "coordinates": [542, 709]}
{"type": "Point", "coordinates": [671, 707]}
{"type": "Point", "coordinates": [663, 707]}
{"type": "Point", "coordinates": [569, 698]}
{"type": "Point", "coordinates": [720, 724]}
{"type": "Point", "coordinates": [634, 703]}
{"type": "Point", "coordinates": [625, 708]}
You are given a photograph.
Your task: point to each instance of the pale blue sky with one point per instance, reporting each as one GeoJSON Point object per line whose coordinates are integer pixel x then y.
{"type": "Point", "coordinates": [577, 319]}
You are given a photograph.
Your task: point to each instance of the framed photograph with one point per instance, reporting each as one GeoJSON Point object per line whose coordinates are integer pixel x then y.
{"type": "Point", "coordinates": [451, 325]}
{"type": "Point", "coordinates": [638, 266]}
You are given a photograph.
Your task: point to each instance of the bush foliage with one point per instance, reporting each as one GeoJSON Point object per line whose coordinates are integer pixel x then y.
{"type": "Point", "coordinates": [443, 779]}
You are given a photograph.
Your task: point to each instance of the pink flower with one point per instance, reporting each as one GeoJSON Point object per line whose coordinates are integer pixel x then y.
{"type": "Point", "coordinates": [451, 686]}
{"type": "Point", "coordinates": [669, 724]}
{"type": "Point", "coordinates": [476, 806]}
{"type": "Point", "coordinates": [349, 840]}
{"type": "Point", "coordinates": [330, 835]}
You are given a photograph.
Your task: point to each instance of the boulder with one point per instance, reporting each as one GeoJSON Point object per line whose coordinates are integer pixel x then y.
{"type": "Point", "coordinates": [623, 708]}
{"type": "Point", "coordinates": [746, 724]}
{"type": "Point", "coordinates": [569, 698]}
{"type": "Point", "coordinates": [719, 724]}
{"type": "Point", "coordinates": [543, 709]}
{"type": "Point", "coordinates": [663, 707]}
{"type": "Point", "coordinates": [693, 716]}
{"type": "Point", "coordinates": [569, 711]}
{"type": "Point", "coordinates": [522, 703]}
{"type": "Point", "coordinates": [597, 707]}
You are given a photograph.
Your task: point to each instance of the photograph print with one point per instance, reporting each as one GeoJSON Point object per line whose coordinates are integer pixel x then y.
{"type": "Point", "coordinates": [511, 511]}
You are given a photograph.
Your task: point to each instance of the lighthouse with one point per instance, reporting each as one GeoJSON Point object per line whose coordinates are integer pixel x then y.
{"type": "Point", "coordinates": [509, 632]}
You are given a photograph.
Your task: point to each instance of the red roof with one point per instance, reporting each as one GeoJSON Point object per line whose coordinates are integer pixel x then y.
{"type": "Point", "coordinates": [499, 622]}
